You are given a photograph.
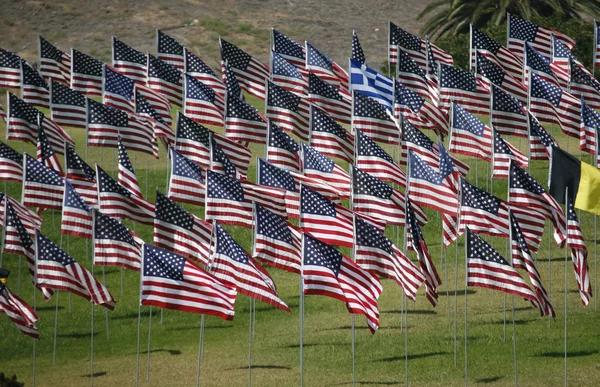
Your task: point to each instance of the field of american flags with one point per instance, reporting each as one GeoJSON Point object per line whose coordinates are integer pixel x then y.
{"type": "Point", "coordinates": [327, 357]}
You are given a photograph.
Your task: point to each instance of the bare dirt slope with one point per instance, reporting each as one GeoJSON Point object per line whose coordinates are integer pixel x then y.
{"type": "Point", "coordinates": [88, 25]}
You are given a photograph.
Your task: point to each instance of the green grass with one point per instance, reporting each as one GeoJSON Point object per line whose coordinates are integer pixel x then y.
{"type": "Point", "coordinates": [380, 358]}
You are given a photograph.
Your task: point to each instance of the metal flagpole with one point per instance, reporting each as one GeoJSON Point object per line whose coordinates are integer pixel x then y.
{"type": "Point", "coordinates": [137, 370]}
{"type": "Point", "coordinates": [406, 340]}
{"type": "Point", "coordinates": [566, 276]}
{"type": "Point", "coordinates": [445, 263]}
{"type": "Point", "coordinates": [105, 309]}
{"type": "Point", "coordinates": [250, 344]}
{"type": "Point", "coordinates": [456, 299]}
{"type": "Point", "coordinates": [35, 309]}
{"type": "Point", "coordinates": [200, 348]}
{"type": "Point", "coordinates": [352, 256]}
{"type": "Point", "coordinates": [149, 341]}
{"type": "Point", "coordinates": [92, 342]}
{"type": "Point", "coordinates": [515, 343]}
{"type": "Point", "coordinates": [466, 325]}
{"type": "Point", "coordinates": [301, 310]}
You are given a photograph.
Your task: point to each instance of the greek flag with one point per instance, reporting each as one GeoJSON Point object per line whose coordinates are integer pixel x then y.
{"type": "Point", "coordinates": [371, 83]}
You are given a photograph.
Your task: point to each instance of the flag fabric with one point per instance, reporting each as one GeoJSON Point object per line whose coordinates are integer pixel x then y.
{"type": "Point", "coordinates": [327, 272]}
{"type": "Point", "coordinates": [335, 102]}
{"type": "Point", "coordinates": [179, 231]}
{"type": "Point", "coordinates": [34, 89]}
{"type": "Point", "coordinates": [67, 107]}
{"type": "Point", "coordinates": [243, 122]}
{"type": "Point", "coordinates": [10, 69]}
{"type": "Point", "coordinates": [561, 62]}
{"type": "Point", "coordinates": [469, 136]}
{"type": "Point", "coordinates": [234, 266]}
{"type": "Point", "coordinates": [118, 202]}
{"type": "Point", "coordinates": [288, 49]}
{"type": "Point", "coordinates": [590, 123]}
{"type": "Point", "coordinates": [372, 159]}
{"type": "Point", "coordinates": [225, 200]}
{"type": "Point", "coordinates": [288, 110]}
{"type": "Point", "coordinates": [536, 63]}
{"type": "Point", "coordinates": [169, 50]}
{"type": "Point", "coordinates": [431, 189]}
{"type": "Point", "coordinates": [201, 103]}
{"type": "Point", "coordinates": [232, 86]}
{"type": "Point", "coordinates": [376, 253]}
{"type": "Point", "coordinates": [329, 137]}
{"type": "Point", "coordinates": [486, 268]}
{"type": "Point", "coordinates": [418, 111]}
{"type": "Point", "coordinates": [277, 243]}
{"type": "Point", "coordinates": [126, 175]}
{"type": "Point", "coordinates": [578, 254]}
{"type": "Point", "coordinates": [287, 76]}
{"type": "Point", "coordinates": [45, 153]}
{"type": "Point", "coordinates": [540, 142]}
{"type": "Point", "coordinates": [508, 116]}
{"type": "Point", "coordinates": [76, 214]}
{"type": "Point", "coordinates": [411, 75]}
{"type": "Point", "coordinates": [186, 184]}
{"type": "Point", "coordinates": [399, 39]}
{"type": "Point", "coordinates": [490, 74]}
{"type": "Point", "coordinates": [503, 154]}
{"type": "Point", "coordinates": [584, 86]}
{"type": "Point", "coordinates": [114, 244]}
{"type": "Point", "coordinates": [250, 72]}
{"type": "Point", "coordinates": [325, 68]}
{"type": "Point", "coordinates": [129, 61]}
{"type": "Point", "coordinates": [30, 220]}
{"type": "Point", "coordinates": [43, 187]}
{"type": "Point", "coordinates": [483, 212]}
{"type": "Point", "coordinates": [282, 150]}
{"type": "Point", "coordinates": [372, 83]}
{"type": "Point", "coordinates": [522, 31]}
{"type": "Point", "coordinates": [118, 91]}
{"type": "Point", "coordinates": [195, 67]}
{"type": "Point", "coordinates": [374, 120]}
{"type": "Point", "coordinates": [20, 313]}
{"type": "Point", "coordinates": [170, 281]}
{"type": "Point", "coordinates": [495, 52]}
{"type": "Point", "coordinates": [55, 64]}
{"type": "Point", "coordinates": [157, 101]}
{"type": "Point", "coordinates": [219, 162]}
{"type": "Point", "coordinates": [596, 58]}
{"type": "Point", "coordinates": [11, 164]}
{"type": "Point", "coordinates": [319, 167]}
{"type": "Point", "coordinates": [431, 66]}
{"type": "Point", "coordinates": [165, 80]}
{"type": "Point", "coordinates": [57, 270]}
{"type": "Point", "coordinates": [357, 51]}
{"type": "Point", "coordinates": [550, 104]}
{"type": "Point", "coordinates": [81, 176]}
{"type": "Point", "coordinates": [460, 85]}
{"type": "Point", "coordinates": [86, 74]}
{"type": "Point", "coordinates": [162, 129]}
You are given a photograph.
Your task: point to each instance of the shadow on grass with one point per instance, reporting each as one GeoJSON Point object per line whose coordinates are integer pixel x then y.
{"type": "Point", "coordinates": [411, 357]}
{"type": "Point", "coordinates": [461, 292]}
{"type": "Point", "coordinates": [308, 345]}
{"type": "Point", "coordinates": [569, 354]}
{"type": "Point", "coordinates": [357, 327]}
{"type": "Point", "coordinates": [367, 383]}
{"type": "Point", "coordinates": [489, 380]}
{"type": "Point", "coordinates": [129, 316]}
{"type": "Point", "coordinates": [197, 327]}
{"type": "Point", "coordinates": [509, 321]}
{"type": "Point", "coordinates": [49, 308]}
{"type": "Point", "coordinates": [261, 367]}
{"type": "Point", "coordinates": [560, 259]}
{"type": "Point", "coordinates": [96, 374]}
{"type": "Point", "coordinates": [410, 311]}
{"type": "Point", "coordinates": [76, 335]}
{"type": "Point", "coordinates": [174, 352]}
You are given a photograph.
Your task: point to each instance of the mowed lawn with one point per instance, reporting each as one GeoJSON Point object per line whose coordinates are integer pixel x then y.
{"type": "Point", "coordinates": [380, 358]}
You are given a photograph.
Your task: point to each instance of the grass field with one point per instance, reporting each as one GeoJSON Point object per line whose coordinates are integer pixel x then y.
{"type": "Point", "coordinates": [380, 358]}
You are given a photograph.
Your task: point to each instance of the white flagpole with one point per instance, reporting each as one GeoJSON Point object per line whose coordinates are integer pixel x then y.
{"type": "Point", "coordinates": [250, 343]}
{"type": "Point", "coordinates": [466, 325]}
{"type": "Point", "coordinates": [200, 347]}
{"type": "Point", "coordinates": [92, 338]}
{"type": "Point", "coordinates": [406, 340]}
{"type": "Point", "coordinates": [456, 282]}
{"type": "Point", "coordinates": [352, 256]}
{"type": "Point", "coordinates": [566, 276]}
{"type": "Point", "coordinates": [149, 341]}
{"type": "Point", "coordinates": [301, 310]}
{"type": "Point", "coordinates": [35, 310]}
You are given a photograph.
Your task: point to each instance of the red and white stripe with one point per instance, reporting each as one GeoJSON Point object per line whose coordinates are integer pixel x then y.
{"type": "Point", "coordinates": [67, 115]}
{"type": "Point", "coordinates": [277, 253]}
{"type": "Point", "coordinates": [331, 145]}
{"type": "Point", "coordinates": [476, 102]}
{"type": "Point", "coordinates": [566, 115]}
{"type": "Point", "coordinates": [501, 161]}
{"type": "Point", "coordinates": [193, 244]}
{"type": "Point", "coordinates": [466, 143]}
{"type": "Point", "coordinates": [386, 131]}
{"type": "Point", "coordinates": [19, 312]}
{"type": "Point", "coordinates": [10, 170]}
{"type": "Point", "coordinates": [542, 41]}
{"type": "Point", "coordinates": [75, 221]}
{"type": "Point", "coordinates": [296, 123]}
{"type": "Point", "coordinates": [382, 169]}
{"type": "Point", "coordinates": [158, 102]}
{"type": "Point", "coordinates": [245, 130]}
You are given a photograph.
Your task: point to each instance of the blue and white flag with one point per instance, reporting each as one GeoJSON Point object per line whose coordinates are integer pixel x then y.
{"type": "Point", "coordinates": [371, 83]}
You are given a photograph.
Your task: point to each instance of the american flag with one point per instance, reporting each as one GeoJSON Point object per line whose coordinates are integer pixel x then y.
{"type": "Point", "coordinates": [195, 67]}
{"type": "Point", "coordinates": [522, 31]}
{"type": "Point", "coordinates": [239, 154]}
{"type": "Point", "coordinates": [158, 102]}
{"type": "Point", "coordinates": [398, 39]}
{"type": "Point", "coordinates": [54, 63]}
{"type": "Point", "coordinates": [431, 189]}
{"type": "Point", "coordinates": [277, 243]}
{"type": "Point", "coordinates": [57, 270]}
{"type": "Point", "coordinates": [372, 84]}
{"type": "Point", "coordinates": [288, 110]}
{"type": "Point", "coordinates": [503, 154]}
{"type": "Point", "coordinates": [325, 220]}
{"type": "Point", "coordinates": [482, 211]}
{"type": "Point", "coordinates": [162, 130]}
{"type": "Point", "coordinates": [45, 153]}
{"type": "Point", "coordinates": [234, 266]}
{"type": "Point", "coordinates": [219, 162]}
{"type": "Point", "coordinates": [320, 64]}
{"type": "Point", "coordinates": [127, 177]}
{"type": "Point", "coordinates": [561, 62]}
{"type": "Point", "coordinates": [250, 72]}
{"type": "Point", "coordinates": [469, 136]}
{"type": "Point", "coordinates": [31, 220]}
{"type": "Point", "coordinates": [271, 198]}
{"type": "Point", "coordinates": [490, 74]}
{"type": "Point", "coordinates": [179, 231]}
{"type": "Point", "coordinates": [186, 184]}
{"type": "Point", "coordinates": [165, 80]}
{"type": "Point", "coordinates": [508, 116]}
{"type": "Point", "coordinates": [201, 103]}
{"type": "Point", "coordinates": [288, 49]}
{"type": "Point", "coordinates": [81, 176]}
{"type": "Point", "coordinates": [550, 104]}
{"type": "Point", "coordinates": [43, 187]}
{"type": "Point", "coordinates": [335, 102]}
{"type": "Point", "coordinates": [419, 111]}
{"type": "Point", "coordinates": [193, 140]}
{"type": "Point", "coordinates": [34, 89]}
{"type": "Point", "coordinates": [523, 259]}
{"type": "Point", "coordinates": [232, 86]}
{"type": "Point", "coordinates": [118, 91]}
{"type": "Point", "coordinates": [357, 51]}
{"type": "Point", "coordinates": [584, 86]}
{"type": "Point", "coordinates": [376, 253]}
{"type": "Point", "coordinates": [460, 85]}
{"type": "Point", "coordinates": [170, 281]}
{"type": "Point", "coordinates": [114, 244]}
{"type": "Point", "coordinates": [287, 76]}
{"type": "Point", "coordinates": [536, 63]}
{"type": "Point", "coordinates": [319, 167]}
{"type": "Point", "coordinates": [329, 137]}
{"type": "Point", "coordinates": [225, 200]}
{"type": "Point", "coordinates": [374, 120]}
{"type": "Point", "coordinates": [431, 67]}
{"type": "Point", "coordinates": [282, 150]}
{"type": "Point", "coordinates": [540, 142]}
{"type": "Point", "coordinates": [413, 76]}
{"type": "Point", "coordinates": [86, 74]}
{"type": "Point", "coordinates": [327, 272]}
{"type": "Point", "coordinates": [578, 254]}
{"type": "Point", "coordinates": [11, 164]}
{"type": "Point", "coordinates": [10, 69]}
{"type": "Point", "coordinates": [118, 202]}
{"type": "Point", "coordinates": [596, 58]}
{"type": "Point", "coordinates": [129, 61]}
{"type": "Point", "coordinates": [495, 52]}
{"type": "Point", "coordinates": [67, 107]}
{"type": "Point", "coordinates": [371, 158]}
{"type": "Point", "coordinates": [19, 312]}
{"type": "Point", "coordinates": [169, 50]}
{"type": "Point", "coordinates": [76, 214]}
{"type": "Point", "coordinates": [243, 122]}
{"type": "Point", "coordinates": [418, 244]}
{"type": "Point", "coordinates": [486, 268]}
{"type": "Point", "coordinates": [590, 124]}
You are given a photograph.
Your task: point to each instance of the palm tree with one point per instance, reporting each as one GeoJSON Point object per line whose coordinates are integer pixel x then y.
{"type": "Point", "coordinates": [454, 16]}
